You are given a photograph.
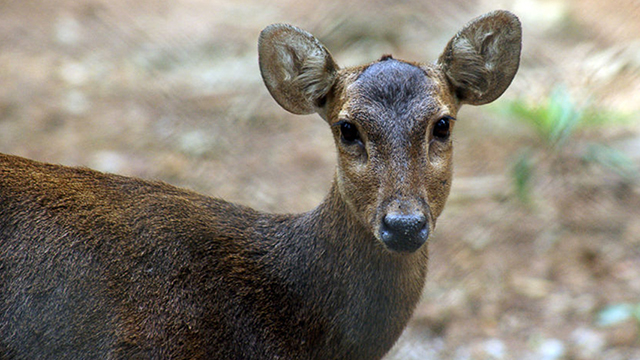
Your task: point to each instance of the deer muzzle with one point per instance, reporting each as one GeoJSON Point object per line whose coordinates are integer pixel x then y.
{"type": "Point", "coordinates": [404, 232]}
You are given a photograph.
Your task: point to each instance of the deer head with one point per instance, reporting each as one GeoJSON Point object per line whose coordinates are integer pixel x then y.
{"type": "Point", "coordinates": [392, 120]}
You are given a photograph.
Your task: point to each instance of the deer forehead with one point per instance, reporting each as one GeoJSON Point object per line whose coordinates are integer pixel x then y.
{"type": "Point", "coordinates": [392, 99]}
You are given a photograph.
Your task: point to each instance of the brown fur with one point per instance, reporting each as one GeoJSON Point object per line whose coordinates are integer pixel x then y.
{"type": "Point", "coordinates": [94, 265]}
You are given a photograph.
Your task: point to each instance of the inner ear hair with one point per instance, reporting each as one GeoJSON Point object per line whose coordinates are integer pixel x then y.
{"type": "Point", "coordinates": [316, 78]}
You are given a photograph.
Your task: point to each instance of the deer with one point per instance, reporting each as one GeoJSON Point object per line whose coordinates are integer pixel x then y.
{"type": "Point", "coordinates": [101, 266]}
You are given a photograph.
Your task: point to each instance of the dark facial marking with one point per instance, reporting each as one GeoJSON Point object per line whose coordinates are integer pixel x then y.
{"type": "Point", "coordinates": [394, 96]}
{"type": "Point", "coordinates": [391, 82]}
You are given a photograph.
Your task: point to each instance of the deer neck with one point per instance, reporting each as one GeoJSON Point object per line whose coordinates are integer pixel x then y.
{"type": "Point", "coordinates": [371, 290]}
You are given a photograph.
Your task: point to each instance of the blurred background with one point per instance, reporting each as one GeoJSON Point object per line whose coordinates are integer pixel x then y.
{"type": "Point", "coordinates": [537, 255]}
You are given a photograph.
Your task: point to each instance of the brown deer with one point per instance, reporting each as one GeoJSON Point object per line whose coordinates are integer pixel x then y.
{"type": "Point", "coordinates": [100, 266]}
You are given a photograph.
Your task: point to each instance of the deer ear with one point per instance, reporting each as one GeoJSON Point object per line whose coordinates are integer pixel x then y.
{"type": "Point", "coordinates": [482, 59]}
{"type": "Point", "coordinates": [296, 68]}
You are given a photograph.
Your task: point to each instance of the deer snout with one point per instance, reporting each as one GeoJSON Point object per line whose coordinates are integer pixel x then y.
{"type": "Point", "coordinates": [404, 232]}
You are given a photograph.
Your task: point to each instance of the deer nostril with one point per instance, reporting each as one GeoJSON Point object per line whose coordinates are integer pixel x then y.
{"type": "Point", "coordinates": [404, 232]}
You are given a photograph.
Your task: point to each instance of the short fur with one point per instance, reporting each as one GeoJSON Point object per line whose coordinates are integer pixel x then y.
{"type": "Point", "coordinates": [100, 266]}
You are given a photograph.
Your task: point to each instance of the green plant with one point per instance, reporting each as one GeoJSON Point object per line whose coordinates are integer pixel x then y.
{"type": "Point", "coordinates": [557, 121]}
{"type": "Point", "coordinates": [554, 120]}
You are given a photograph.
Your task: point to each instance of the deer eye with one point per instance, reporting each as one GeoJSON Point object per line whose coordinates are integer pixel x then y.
{"type": "Point", "coordinates": [349, 132]}
{"type": "Point", "coordinates": [442, 128]}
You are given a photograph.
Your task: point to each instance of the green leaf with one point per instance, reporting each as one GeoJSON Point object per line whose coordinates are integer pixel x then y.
{"type": "Point", "coordinates": [614, 160]}
{"type": "Point", "coordinates": [522, 173]}
{"type": "Point", "coordinates": [562, 117]}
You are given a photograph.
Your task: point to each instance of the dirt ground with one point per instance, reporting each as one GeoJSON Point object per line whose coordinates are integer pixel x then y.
{"type": "Point", "coordinates": [171, 90]}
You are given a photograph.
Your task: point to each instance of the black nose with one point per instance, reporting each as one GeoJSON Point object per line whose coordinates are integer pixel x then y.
{"type": "Point", "coordinates": [404, 232]}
